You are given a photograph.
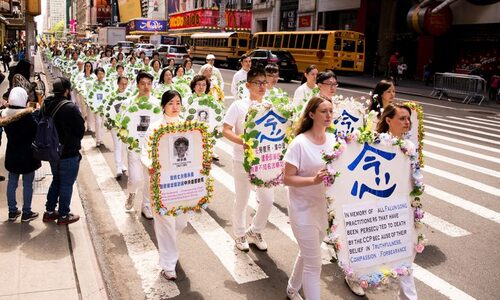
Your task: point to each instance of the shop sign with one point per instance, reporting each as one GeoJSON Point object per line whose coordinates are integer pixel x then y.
{"type": "Point", "coordinates": [305, 21]}
{"type": "Point", "coordinates": [210, 18]}
{"type": "Point", "coordinates": [148, 25]}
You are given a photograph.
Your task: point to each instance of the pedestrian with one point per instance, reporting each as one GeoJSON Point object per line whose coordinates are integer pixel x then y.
{"type": "Point", "coordinates": [217, 76]}
{"type": "Point", "coordinates": [166, 227]}
{"type": "Point", "coordinates": [382, 95]}
{"type": "Point", "coordinates": [238, 87]}
{"type": "Point", "coordinates": [171, 65]}
{"type": "Point", "coordinates": [304, 92]}
{"type": "Point", "coordinates": [428, 72]}
{"type": "Point", "coordinates": [494, 87]}
{"type": "Point", "coordinates": [327, 84]}
{"type": "Point", "coordinates": [303, 174]}
{"type": "Point", "coordinates": [393, 66]}
{"type": "Point", "coordinates": [70, 129]}
{"type": "Point", "coordinates": [232, 129]}
{"type": "Point", "coordinates": [272, 71]}
{"type": "Point", "coordinates": [215, 90]}
{"type": "Point", "coordinates": [6, 59]}
{"type": "Point", "coordinates": [188, 69]}
{"type": "Point", "coordinates": [20, 128]}
{"type": "Point", "coordinates": [98, 88]}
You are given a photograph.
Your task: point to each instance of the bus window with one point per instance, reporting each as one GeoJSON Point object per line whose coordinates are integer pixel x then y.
{"type": "Point", "coordinates": [300, 40]}
{"type": "Point", "coordinates": [242, 42]}
{"type": "Point", "coordinates": [349, 46]}
{"type": "Point", "coordinates": [307, 41]}
{"type": "Point", "coordinates": [314, 41]}
{"type": "Point", "coordinates": [323, 41]}
{"type": "Point", "coordinates": [277, 41]}
{"type": "Point", "coordinates": [361, 47]}
{"type": "Point", "coordinates": [233, 42]}
{"type": "Point", "coordinates": [285, 40]}
{"type": "Point", "coordinates": [271, 41]}
{"type": "Point", "coordinates": [338, 44]}
{"type": "Point", "coordinates": [259, 41]}
{"type": "Point", "coordinates": [293, 38]}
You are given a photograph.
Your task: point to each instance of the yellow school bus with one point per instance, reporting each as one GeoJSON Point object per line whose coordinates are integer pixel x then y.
{"type": "Point", "coordinates": [226, 46]}
{"type": "Point", "coordinates": [342, 50]}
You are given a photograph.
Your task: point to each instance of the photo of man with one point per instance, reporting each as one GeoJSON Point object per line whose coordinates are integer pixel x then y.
{"type": "Point", "coordinates": [143, 123]}
{"type": "Point", "coordinates": [202, 115]}
{"type": "Point", "coordinates": [181, 146]}
{"type": "Point", "coordinates": [181, 150]}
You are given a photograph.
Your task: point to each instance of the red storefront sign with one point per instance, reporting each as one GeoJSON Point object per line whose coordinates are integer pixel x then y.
{"type": "Point", "coordinates": [208, 18]}
{"type": "Point", "coordinates": [305, 21]}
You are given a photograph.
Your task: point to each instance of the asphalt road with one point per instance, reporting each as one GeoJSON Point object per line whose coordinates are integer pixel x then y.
{"type": "Point", "coordinates": [461, 261]}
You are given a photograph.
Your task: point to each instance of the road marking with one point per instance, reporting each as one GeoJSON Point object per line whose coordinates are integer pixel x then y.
{"type": "Point", "coordinates": [462, 203]}
{"type": "Point", "coordinates": [439, 284]}
{"type": "Point", "coordinates": [474, 121]}
{"type": "Point", "coordinates": [463, 180]}
{"type": "Point", "coordinates": [141, 250]}
{"type": "Point", "coordinates": [494, 118]}
{"type": "Point", "coordinates": [463, 135]}
{"type": "Point", "coordinates": [444, 226]}
{"type": "Point", "coordinates": [486, 121]}
{"type": "Point", "coordinates": [463, 151]}
{"type": "Point", "coordinates": [461, 122]}
{"type": "Point", "coordinates": [453, 140]}
{"type": "Point", "coordinates": [463, 129]}
{"type": "Point", "coordinates": [239, 264]}
{"type": "Point", "coordinates": [462, 164]}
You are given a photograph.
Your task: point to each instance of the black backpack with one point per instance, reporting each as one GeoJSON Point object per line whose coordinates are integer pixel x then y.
{"type": "Point", "coordinates": [46, 145]}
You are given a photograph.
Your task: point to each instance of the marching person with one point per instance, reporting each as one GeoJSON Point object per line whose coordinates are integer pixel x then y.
{"type": "Point", "coordinates": [20, 127]}
{"type": "Point", "coordinates": [166, 227]}
{"type": "Point", "coordinates": [327, 84]}
{"type": "Point", "coordinates": [217, 77]}
{"type": "Point", "coordinates": [304, 92]}
{"type": "Point", "coordinates": [238, 88]}
{"type": "Point", "coordinates": [303, 174]}
{"type": "Point", "coordinates": [382, 95]}
{"type": "Point", "coordinates": [232, 129]}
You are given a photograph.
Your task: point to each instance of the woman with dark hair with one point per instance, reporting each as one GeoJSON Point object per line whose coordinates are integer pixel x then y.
{"type": "Point", "coordinates": [84, 85]}
{"type": "Point", "coordinates": [303, 174]}
{"type": "Point", "coordinates": [155, 71]}
{"type": "Point", "coordinates": [327, 84]}
{"type": "Point", "coordinates": [166, 83]}
{"type": "Point", "coordinates": [382, 95]}
{"type": "Point", "coordinates": [304, 92]}
{"type": "Point", "coordinates": [166, 227]}
{"type": "Point", "coordinates": [188, 69]}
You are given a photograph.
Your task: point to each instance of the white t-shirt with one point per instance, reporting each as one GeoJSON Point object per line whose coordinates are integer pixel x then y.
{"type": "Point", "coordinates": [239, 80]}
{"type": "Point", "coordinates": [302, 94]}
{"type": "Point", "coordinates": [307, 205]}
{"type": "Point", "coordinates": [235, 116]}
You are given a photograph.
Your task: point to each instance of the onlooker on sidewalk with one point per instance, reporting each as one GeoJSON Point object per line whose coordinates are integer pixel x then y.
{"type": "Point", "coordinates": [6, 59]}
{"type": "Point", "coordinates": [494, 86]}
{"type": "Point", "coordinates": [428, 72]}
{"type": "Point", "coordinates": [70, 128]}
{"type": "Point", "coordinates": [393, 66]}
{"type": "Point", "coordinates": [20, 127]}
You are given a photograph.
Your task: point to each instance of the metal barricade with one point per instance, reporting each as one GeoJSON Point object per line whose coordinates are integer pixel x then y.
{"type": "Point", "coordinates": [471, 87]}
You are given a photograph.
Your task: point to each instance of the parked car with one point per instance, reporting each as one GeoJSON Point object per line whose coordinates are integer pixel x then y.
{"type": "Point", "coordinates": [127, 47]}
{"type": "Point", "coordinates": [147, 48]}
{"type": "Point", "coordinates": [284, 59]}
{"type": "Point", "coordinates": [178, 52]}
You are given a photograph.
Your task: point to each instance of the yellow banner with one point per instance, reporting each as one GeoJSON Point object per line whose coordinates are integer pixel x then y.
{"type": "Point", "coordinates": [129, 9]}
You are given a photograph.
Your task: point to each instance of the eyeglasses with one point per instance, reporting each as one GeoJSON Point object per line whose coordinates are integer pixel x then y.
{"type": "Point", "coordinates": [331, 84]}
{"type": "Point", "coordinates": [259, 83]}
{"type": "Point", "coordinates": [201, 84]}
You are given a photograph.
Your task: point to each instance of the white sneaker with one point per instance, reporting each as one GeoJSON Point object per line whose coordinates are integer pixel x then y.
{"type": "Point", "coordinates": [129, 204]}
{"type": "Point", "coordinates": [146, 212]}
{"type": "Point", "coordinates": [355, 288]}
{"type": "Point", "coordinates": [242, 244]}
{"type": "Point", "coordinates": [169, 275]}
{"type": "Point", "coordinates": [256, 239]}
{"type": "Point", "coordinates": [292, 294]}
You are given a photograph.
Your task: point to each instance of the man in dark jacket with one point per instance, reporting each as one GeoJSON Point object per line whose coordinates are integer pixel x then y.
{"type": "Point", "coordinates": [70, 128]}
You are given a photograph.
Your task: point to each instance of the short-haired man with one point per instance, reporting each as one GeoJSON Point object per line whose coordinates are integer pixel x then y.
{"type": "Point", "coordinates": [232, 129]}
{"type": "Point", "coordinates": [216, 75]}
{"type": "Point", "coordinates": [238, 87]}
{"type": "Point", "coordinates": [70, 129]}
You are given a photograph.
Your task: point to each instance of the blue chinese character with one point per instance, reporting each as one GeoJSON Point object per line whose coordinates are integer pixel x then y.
{"type": "Point", "coordinates": [346, 119]}
{"type": "Point", "coordinates": [271, 119]}
{"type": "Point", "coordinates": [372, 162]}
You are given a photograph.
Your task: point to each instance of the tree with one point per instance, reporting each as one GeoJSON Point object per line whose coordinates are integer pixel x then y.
{"type": "Point", "coordinates": [58, 29]}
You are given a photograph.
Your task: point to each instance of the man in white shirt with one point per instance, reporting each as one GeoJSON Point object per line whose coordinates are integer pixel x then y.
{"type": "Point", "coordinates": [232, 130]}
{"type": "Point", "coordinates": [238, 88]}
{"type": "Point", "coordinates": [272, 76]}
{"type": "Point", "coordinates": [216, 75]}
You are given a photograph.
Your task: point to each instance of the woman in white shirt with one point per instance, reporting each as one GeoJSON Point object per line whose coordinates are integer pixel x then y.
{"type": "Point", "coordinates": [305, 91]}
{"type": "Point", "coordinates": [304, 173]}
{"type": "Point", "coordinates": [166, 227]}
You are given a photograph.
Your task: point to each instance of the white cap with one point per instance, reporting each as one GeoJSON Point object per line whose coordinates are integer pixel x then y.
{"type": "Point", "coordinates": [210, 56]}
{"type": "Point", "coordinates": [18, 97]}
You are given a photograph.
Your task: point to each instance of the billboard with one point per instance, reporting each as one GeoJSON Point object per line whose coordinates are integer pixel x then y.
{"type": "Point", "coordinates": [129, 9]}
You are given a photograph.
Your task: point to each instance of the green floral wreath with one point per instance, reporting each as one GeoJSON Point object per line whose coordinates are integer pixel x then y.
{"type": "Point", "coordinates": [104, 109]}
{"type": "Point", "coordinates": [210, 102]}
{"type": "Point", "coordinates": [153, 143]}
{"type": "Point", "coordinates": [421, 133]}
{"type": "Point", "coordinates": [98, 87]}
{"type": "Point", "coordinates": [300, 107]}
{"type": "Point", "coordinates": [249, 138]}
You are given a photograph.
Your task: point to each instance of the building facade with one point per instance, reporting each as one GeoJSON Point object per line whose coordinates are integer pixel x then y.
{"type": "Point", "coordinates": [56, 12]}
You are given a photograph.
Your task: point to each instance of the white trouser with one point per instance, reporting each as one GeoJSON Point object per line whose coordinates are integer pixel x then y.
{"type": "Point", "coordinates": [242, 188]}
{"type": "Point", "coordinates": [135, 172]}
{"type": "Point", "coordinates": [307, 269]}
{"type": "Point", "coordinates": [98, 127]}
{"type": "Point", "coordinates": [407, 289]}
{"type": "Point", "coordinates": [146, 190]}
{"type": "Point", "coordinates": [119, 153]}
{"type": "Point", "coordinates": [90, 118]}
{"type": "Point", "coordinates": [166, 230]}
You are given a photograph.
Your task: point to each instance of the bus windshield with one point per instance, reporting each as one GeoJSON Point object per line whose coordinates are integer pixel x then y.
{"type": "Point", "coordinates": [348, 45]}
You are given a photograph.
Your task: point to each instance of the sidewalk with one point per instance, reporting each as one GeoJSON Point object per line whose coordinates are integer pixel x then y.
{"type": "Point", "coordinates": [407, 87]}
{"type": "Point", "coordinates": [44, 260]}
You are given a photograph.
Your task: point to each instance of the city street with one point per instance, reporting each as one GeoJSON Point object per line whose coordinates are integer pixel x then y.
{"type": "Point", "coordinates": [462, 176]}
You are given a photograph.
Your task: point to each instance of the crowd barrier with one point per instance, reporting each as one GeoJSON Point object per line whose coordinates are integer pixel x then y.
{"type": "Point", "coordinates": [471, 87]}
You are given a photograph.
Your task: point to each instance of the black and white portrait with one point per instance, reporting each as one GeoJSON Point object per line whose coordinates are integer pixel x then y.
{"type": "Point", "coordinates": [202, 115]}
{"type": "Point", "coordinates": [143, 123]}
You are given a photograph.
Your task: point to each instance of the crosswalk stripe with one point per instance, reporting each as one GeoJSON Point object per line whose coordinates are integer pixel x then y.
{"type": "Point", "coordinates": [439, 284]}
{"type": "Point", "coordinates": [474, 121]}
{"type": "Point", "coordinates": [141, 250]}
{"type": "Point", "coordinates": [444, 226]}
{"type": "Point", "coordinates": [488, 121]}
{"type": "Point", "coordinates": [239, 264]}
{"type": "Point", "coordinates": [462, 164]}
{"type": "Point", "coordinates": [494, 118]}
{"type": "Point", "coordinates": [463, 203]}
{"type": "Point", "coordinates": [463, 180]}
{"type": "Point", "coordinates": [462, 128]}
{"type": "Point", "coordinates": [461, 122]}
{"type": "Point", "coordinates": [276, 217]}
{"type": "Point", "coordinates": [463, 135]}
{"type": "Point", "coordinates": [463, 151]}
{"type": "Point", "coordinates": [457, 141]}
